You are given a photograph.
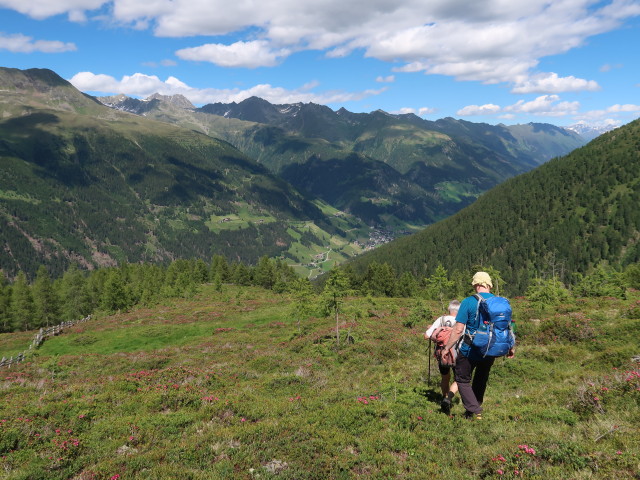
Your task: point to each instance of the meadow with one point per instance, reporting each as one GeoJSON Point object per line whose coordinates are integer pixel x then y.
{"type": "Point", "coordinates": [233, 384]}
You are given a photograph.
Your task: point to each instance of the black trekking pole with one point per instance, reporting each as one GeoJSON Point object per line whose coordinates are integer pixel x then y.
{"type": "Point", "coordinates": [429, 373]}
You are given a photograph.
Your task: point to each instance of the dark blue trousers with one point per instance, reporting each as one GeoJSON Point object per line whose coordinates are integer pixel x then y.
{"type": "Point", "coordinates": [471, 377]}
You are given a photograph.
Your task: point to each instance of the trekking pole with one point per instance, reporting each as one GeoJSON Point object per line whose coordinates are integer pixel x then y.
{"type": "Point", "coordinates": [429, 372]}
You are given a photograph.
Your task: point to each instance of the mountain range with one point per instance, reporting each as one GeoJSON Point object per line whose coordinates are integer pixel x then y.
{"type": "Point", "coordinates": [85, 181]}
{"type": "Point", "coordinates": [589, 132]}
{"type": "Point", "coordinates": [393, 171]}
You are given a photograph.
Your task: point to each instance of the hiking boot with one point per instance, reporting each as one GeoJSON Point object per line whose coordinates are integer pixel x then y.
{"type": "Point", "coordinates": [472, 416]}
{"type": "Point", "coordinates": [445, 405]}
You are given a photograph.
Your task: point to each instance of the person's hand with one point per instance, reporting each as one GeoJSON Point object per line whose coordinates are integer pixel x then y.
{"type": "Point", "coordinates": [511, 353]}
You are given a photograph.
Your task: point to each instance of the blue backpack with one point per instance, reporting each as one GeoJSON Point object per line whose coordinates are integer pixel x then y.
{"type": "Point", "coordinates": [494, 336]}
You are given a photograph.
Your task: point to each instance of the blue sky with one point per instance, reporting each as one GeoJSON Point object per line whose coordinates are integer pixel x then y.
{"type": "Point", "coordinates": [495, 61]}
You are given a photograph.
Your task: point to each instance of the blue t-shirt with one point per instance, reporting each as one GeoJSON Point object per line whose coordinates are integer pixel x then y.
{"type": "Point", "coordinates": [467, 316]}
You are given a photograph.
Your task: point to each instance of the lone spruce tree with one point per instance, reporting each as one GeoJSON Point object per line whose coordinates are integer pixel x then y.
{"type": "Point", "coordinates": [302, 305]}
{"type": "Point", "coordinates": [336, 288]}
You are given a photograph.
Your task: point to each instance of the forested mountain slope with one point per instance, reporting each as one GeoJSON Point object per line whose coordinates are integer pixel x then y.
{"type": "Point", "coordinates": [84, 183]}
{"type": "Point", "coordinates": [437, 167]}
{"type": "Point", "coordinates": [575, 211]}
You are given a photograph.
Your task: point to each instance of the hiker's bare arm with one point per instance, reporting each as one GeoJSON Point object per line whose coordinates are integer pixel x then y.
{"type": "Point", "coordinates": [512, 352]}
{"type": "Point", "coordinates": [457, 331]}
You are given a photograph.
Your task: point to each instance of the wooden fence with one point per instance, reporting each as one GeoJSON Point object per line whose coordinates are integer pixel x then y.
{"type": "Point", "coordinates": [38, 339]}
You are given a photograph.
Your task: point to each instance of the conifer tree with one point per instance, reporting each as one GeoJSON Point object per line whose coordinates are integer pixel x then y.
{"type": "Point", "coordinates": [407, 285]}
{"type": "Point", "coordinates": [265, 273]}
{"type": "Point", "coordinates": [335, 289]}
{"type": "Point", "coordinates": [632, 276]}
{"type": "Point", "coordinates": [220, 266]}
{"type": "Point", "coordinates": [439, 287]}
{"type": "Point", "coordinates": [603, 281]}
{"type": "Point", "coordinates": [284, 275]}
{"type": "Point", "coordinates": [302, 305]}
{"type": "Point", "coordinates": [46, 300]}
{"type": "Point", "coordinates": [380, 280]}
{"type": "Point", "coordinates": [179, 280]}
{"type": "Point", "coordinates": [95, 286]}
{"type": "Point", "coordinates": [5, 305]}
{"type": "Point", "coordinates": [22, 306]}
{"type": "Point", "coordinates": [152, 279]}
{"type": "Point", "coordinates": [543, 293]}
{"type": "Point", "coordinates": [74, 293]}
{"type": "Point", "coordinates": [217, 281]}
{"type": "Point", "coordinates": [201, 271]}
{"type": "Point", "coordinates": [241, 275]}
{"type": "Point", "coordinates": [114, 297]}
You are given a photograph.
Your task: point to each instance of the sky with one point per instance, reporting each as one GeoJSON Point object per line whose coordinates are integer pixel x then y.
{"type": "Point", "coordinates": [496, 61]}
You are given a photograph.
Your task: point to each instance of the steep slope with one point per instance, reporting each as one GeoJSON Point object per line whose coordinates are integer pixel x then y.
{"type": "Point", "coordinates": [105, 187]}
{"type": "Point", "coordinates": [369, 189]}
{"type": "Point", "coordinates": [578, 210]}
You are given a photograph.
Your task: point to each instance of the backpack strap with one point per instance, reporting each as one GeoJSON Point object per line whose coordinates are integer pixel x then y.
{"type": "Point", "coordinates": [480, 300]}
{"type": "Point", "coordinates": [466, 336]}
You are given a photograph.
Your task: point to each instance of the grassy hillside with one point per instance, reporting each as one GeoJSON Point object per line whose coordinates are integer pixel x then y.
{"type": "Point", "coordinates": [229, 385]}
{"type": "Point", "coordinates": [571, 214]}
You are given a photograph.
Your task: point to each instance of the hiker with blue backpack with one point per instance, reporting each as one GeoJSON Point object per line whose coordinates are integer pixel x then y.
{"type": "Point", "coordinates": [483, 332]}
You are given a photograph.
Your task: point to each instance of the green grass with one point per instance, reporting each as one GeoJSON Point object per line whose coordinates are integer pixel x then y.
{"type": "Point", "coordinates": [227, 386]}
{"type": "Point", "coordinates": [456, 191]}
{"type": "Point", "coordinates": [11, 195]}
{"type": "Point", "coordinates": [237, 220]}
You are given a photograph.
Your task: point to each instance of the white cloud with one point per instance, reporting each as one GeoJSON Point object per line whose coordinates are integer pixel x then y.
{"type": "Point", "coordinates": [40, 9]}
{"type": "Point", "coordinates": [470, 110]}
{"type": "Point", "coordinates": [613, 115]}
{"type": "Point", "coordinates": [405, 110]}
{"type": "Point", "coordinates": [240, 54]}
{"type": "Point", "coordinates": [493, 41]}
{"type": "Point", "coordinates": [426, 111]}
{"type": "Point", "coordinates": [628, 108]}
{"type": "Point", "coordinates": [387, 79]}
{"type": "Point", "coordinates": [19, 43]}
{"type": "Point", "coordinates": [551, 83]}
{"type": "Point", "coordinates": [421, 111]}
{"type": "Point", "coordinates": [140, 85]}
{"type": "Point", "coordinates": [545, 105]}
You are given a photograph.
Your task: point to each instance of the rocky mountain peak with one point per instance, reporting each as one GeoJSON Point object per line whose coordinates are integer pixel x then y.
{"type": "Point", "coordinates": [177, 100]}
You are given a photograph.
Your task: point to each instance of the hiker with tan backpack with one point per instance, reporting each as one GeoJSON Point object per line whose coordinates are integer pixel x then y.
{"type": "Point", "coordinates": [439, 333]}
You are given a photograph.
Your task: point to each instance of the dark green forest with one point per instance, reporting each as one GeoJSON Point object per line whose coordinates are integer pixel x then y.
{"type": "Point", "coordinates": [47, 300]}
{"type": "Point", "coordinates": [566, 218]}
